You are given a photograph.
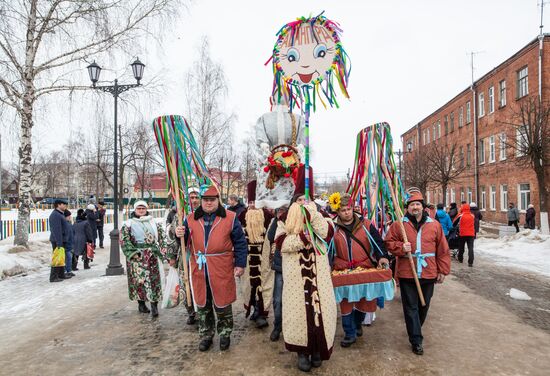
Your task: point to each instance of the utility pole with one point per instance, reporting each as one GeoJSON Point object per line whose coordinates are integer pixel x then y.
{"type": "Point", "coordinates": [1, 198]}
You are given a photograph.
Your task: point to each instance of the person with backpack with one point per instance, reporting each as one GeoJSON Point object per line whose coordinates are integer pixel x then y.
{"type": "Point", "coordinates": [467, 233]}
{"type": "Point", "coordinates": [444, 219]}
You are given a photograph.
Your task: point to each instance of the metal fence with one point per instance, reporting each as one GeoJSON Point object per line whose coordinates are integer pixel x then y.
{"type": "Point", "coordinates": [43, 224]}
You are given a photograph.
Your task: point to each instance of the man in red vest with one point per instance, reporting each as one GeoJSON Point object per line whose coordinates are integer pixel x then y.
{"type": "Point", "coordinates": [218, 250]}
{"type": "Point", "coordinates": [427, 243]}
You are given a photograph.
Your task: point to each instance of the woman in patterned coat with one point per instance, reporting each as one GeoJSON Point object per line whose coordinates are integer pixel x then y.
{"type": "Point", "coordinates": [143, 244]}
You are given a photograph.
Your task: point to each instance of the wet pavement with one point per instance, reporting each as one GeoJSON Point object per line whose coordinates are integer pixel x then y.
{"type": "Point", "coordinates": [87, 326]}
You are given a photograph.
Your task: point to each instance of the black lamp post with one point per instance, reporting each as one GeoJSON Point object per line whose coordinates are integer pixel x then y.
{"type": "Point", "coordinates": [115, 267]}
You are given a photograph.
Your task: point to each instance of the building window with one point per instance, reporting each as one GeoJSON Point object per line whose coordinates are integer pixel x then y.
{"type": "Point", "coordinates": [504, 197]}
{"type": "Point", "coordinates": [523, 82]}
{"type": "Point", "coordinates": [502, 146]}
{"type": "Point", "coordinates": [491, 99]}
{"type": "Point", "coordinates": [483, 199]}
{"type": "Point", "coordinates": [481, 104]}
{"type": "Point", "coordinates": [428, 135]}
{"type": "Point", "coordinates": [434, 132]}
{"type": "Point", "coordinates": [452, 122]}
{"type": "Point", "coordinates": [453, 195]}
{"type": "Point", "coordinates": [461, 194]}
{"type": "Point", "coordinates": [468, 113]}
{"type": "Point", "coordinates": [446, 123]}
{"type": "Point", "coordinates": [461, 117]}
{"type": "Point", "coordinates": [461, 156]}
{"type": "Point", "coordinates": [468, 155]}
{"type": "Point", "coordinates": [492, 151]}
{"type": "Point", "coordinates": [438, 129]}
{"type": "Point", "coordinates": [524, 196]}
{"type": "Point", "coordinates": [481, 151]}
{"type": "Point", "coordinates": [493, 198]}
{"type": "Point", "coordinates": [502, 93]}
{"type": "Point", "coordinates": [470, 197]}
{"type": "Point", "coordinates": [522, 143]}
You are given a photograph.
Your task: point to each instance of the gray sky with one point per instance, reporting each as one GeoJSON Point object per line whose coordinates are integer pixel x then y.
{"type": "Point", "coordinates": [408, 58]}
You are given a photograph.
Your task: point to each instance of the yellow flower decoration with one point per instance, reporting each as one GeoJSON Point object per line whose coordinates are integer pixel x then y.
{"type": "Point", "coordinates": [335, 201]}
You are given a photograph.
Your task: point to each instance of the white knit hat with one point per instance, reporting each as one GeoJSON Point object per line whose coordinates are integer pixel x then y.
{"type": "Point", "coordinates": [90, 207]}
{"type": "Point", "coordinates": [140, 203]}
{"type": "Point", "coordinates": [193, 190]}
{"type": "Point", "coordinates": [473, 204]}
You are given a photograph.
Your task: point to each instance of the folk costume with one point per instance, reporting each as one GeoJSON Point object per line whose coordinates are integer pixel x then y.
{"type": "Point", "coordinates": [217, 244]}
{"type": "Point", "coordinates": [143, 245]}
{"type": "Point", "coordinates": [356, 248]}
{"type": "Point", "coordinates": [309, 306]}
{"type": "Point", "coordinates": [257, 287]}
{"type": "Point", "coordinates": [431, 254]}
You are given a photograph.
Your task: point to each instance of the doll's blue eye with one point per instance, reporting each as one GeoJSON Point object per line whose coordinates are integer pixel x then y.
{"type": "Point", "coordinates": [320, 51]}
{"type": "Point", "coordinates": [293, 55]}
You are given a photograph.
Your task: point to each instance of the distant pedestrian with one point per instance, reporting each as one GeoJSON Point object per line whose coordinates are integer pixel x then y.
{"type": "Point", "coordinates": [235, 206]}
{"type": "Point", "coordinates": [530, 215]}
{"type": "Point", "coordinates": [430, 209]}
{"type": "Point", "coordinates": [444, 219]}
{"type": "Point", "coordinates": [100, 221]}
{"type": "Point", "coordinates": [513, 216]}
{"type": "Point", "coordinates": [466, 224]}
{"type": "Point", "coordinates": [82, 237]}
{"type": "Point", "coordinates": [69, 244]}
{"type": "Point", "coordinates": [477, 215]}
{"type": "Point", "coordinates": [91, 215]}
{"type": "Point", "coordinates": [453, 211]}
{"type": "Point", "coordinates": [58, 236]}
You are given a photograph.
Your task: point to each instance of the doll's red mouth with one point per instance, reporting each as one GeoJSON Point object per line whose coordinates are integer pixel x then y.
{"type": "Point", "coordinates": [305, 78]}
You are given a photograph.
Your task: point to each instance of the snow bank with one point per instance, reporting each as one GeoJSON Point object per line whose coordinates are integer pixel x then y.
{"type": "Point", "coordinates": [528, 249]}
{"type": "Point", "coordinates": [16, 260]}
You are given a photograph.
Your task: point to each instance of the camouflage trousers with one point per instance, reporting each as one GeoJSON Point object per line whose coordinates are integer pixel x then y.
{"type": "Point", "coordinates": [207, 322]}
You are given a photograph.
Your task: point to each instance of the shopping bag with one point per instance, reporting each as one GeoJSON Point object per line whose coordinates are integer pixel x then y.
{"type": "Point", "coordinates": [171, 292]}
{"type": "Point", "coordinates": [90, 250]}
{"type": "Point", "coordinates": [58, 257]}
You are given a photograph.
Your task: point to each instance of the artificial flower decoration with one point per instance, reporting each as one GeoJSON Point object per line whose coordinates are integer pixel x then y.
{"type": "Point", "coordinates": [335, 201]}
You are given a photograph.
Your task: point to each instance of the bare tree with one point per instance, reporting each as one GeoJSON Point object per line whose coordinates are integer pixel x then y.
{"type": "Point", "coordinates": [147, 156]}
{"type": "Point", "coordinates": [206, 89]}
{"type": "Point", "coordinates": [226, 170]}
{"type": "Point", "coordinates": [40, 40]}
{"type": "Point", "coordinates": [417, 172]}
{"type": "Point", "coordinates": [531, 142]}
{"type": "Point", "coordinates": [445, 163]}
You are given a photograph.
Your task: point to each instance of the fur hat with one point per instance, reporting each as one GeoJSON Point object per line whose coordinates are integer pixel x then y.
{"type": "Point", "coordinates": [414, 194]}
{"type": "Point", "coordinates": [140, 203]}
{"type": "Point", "coordinates": [251, 190]}
{"type": "Point", "coordinates": [209, 191]}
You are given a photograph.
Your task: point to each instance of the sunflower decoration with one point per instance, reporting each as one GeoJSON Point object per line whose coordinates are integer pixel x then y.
{"type": "Point", "coordinates": [335, 201]}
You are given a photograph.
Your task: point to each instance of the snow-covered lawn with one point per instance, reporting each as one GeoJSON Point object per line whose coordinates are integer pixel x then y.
{"type": "Point", "coordinates": [528, 249]}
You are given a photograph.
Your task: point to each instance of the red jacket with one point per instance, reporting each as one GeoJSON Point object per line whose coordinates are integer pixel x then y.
{"type": "Point", "coordinates": [434, 249]}
{"type": "Point", "coordinates": [466, 221]}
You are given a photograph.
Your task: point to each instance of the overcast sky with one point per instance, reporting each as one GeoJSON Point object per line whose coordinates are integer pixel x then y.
{"type": "Point", "coordinates": [408, 58]}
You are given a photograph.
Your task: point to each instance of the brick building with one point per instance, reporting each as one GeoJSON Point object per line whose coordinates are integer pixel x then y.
{"type": "Point", "coordinates": [481, 120]}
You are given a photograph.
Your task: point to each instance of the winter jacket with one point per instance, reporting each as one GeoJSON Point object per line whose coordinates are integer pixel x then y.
{"type": "Point", "coordinates": [82, 235]}
{"type": "Point", "coordinates": [530, 218]}
{"type": "Point", "coordinates": [101, 217]}
{"type": "Point", "coordinates": [69, 235]}
{"type": "Point", "coordinates": [513, 214]}
{"type": "Point", "coordinates": [92, 219]}
{"type": "Point", "coordinates": [277, 262]}
{"type": "Point", "coordinates": [434, 250]}
{"type": "Point", "coordinates": [445, 221]}
{"type": "Point", "coordinates": [58, 229]}
{"type": "Point", "coordinates": [237, 209]}
{"type": "Point", "coordinates": [466, 222]}
{"type": "Point", "coordinates": [477, 214]}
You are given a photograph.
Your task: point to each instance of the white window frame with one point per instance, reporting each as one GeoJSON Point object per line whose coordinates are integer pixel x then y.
{"type": "Point", "coordinates": [462, 194]}
{"type": "Point", "coordinates": [492, 149]}
{"type": "Point", "coordinates": [483, 203]}
{"type": "Point", "coordinates": [468, 112]}
{"type": "Point", "coordinates": [502, 146]}
{"type": "Point", "coordinates": [438, 129]}
{"type": "Point", "coordinates": [461, 117]}
{"type": "Point", "coordinates": [521, 141]}
{"type": "Point", "coordinates": [522, 206]}
{"type": "Point", "coordinates": [493, 197]}
{"type": "Point", "coordinates": [502, 93]}
{"type": "Point", "coordinates": [470, 196]}
{"type": "Point", "coordinates": [491, 99]}
{"type": "Point", "coordinates": [453, 195]}
{"type": "Point", "coordinates": [522, 82]}
{"type": "Point", "coordinates": [481, 151]}
{"type": "Point", "coordinates": [504, 197]}
{"type": "Point", "coordinates": [428, 134]}
{"type": "Point", "coordinates": [447, 196]}
{"type": "Point", "coordinates": [481, 101]}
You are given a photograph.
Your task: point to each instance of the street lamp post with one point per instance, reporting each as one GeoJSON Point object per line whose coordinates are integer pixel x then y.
{"type": "Point", "coordinates": [115, 267]}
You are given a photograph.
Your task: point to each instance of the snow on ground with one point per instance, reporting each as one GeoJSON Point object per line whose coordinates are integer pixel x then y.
{"type": "Point", "coordinates": [528, 249]}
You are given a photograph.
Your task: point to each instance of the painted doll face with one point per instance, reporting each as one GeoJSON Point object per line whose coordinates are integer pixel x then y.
{"type": "Point", "coordinates": [308, 56]}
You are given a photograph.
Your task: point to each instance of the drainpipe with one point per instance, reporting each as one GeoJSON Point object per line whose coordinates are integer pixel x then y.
{"type": "Point", "coordinates": [474, 107]}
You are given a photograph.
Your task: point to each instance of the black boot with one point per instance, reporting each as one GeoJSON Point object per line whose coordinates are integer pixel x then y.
{"type": "Point", "coordinates": [275, 334]}
{"type": "Point", "coordinates": [303, 363]}
{"type": "Point", "coordinates": [87, 264]}
{"type": "Point", "coordinates": [417, 349]}
{"type": "Point", "coordinates": [205, 344]}
{"type": "Point", "coordinates": [261, 322]}
{"type": "Point", "coordinates": [316, 360]}
{"type": "Point", "coordinates": [347, 341]}
{"type": "Point", "coordinates": [224, 343]}
{"type": "Point", "coordinates": [191, 320]}
{"type": "Point", "coordinates": [142, 307]}
{"type": "Point", "coordinates": [154, 309]}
